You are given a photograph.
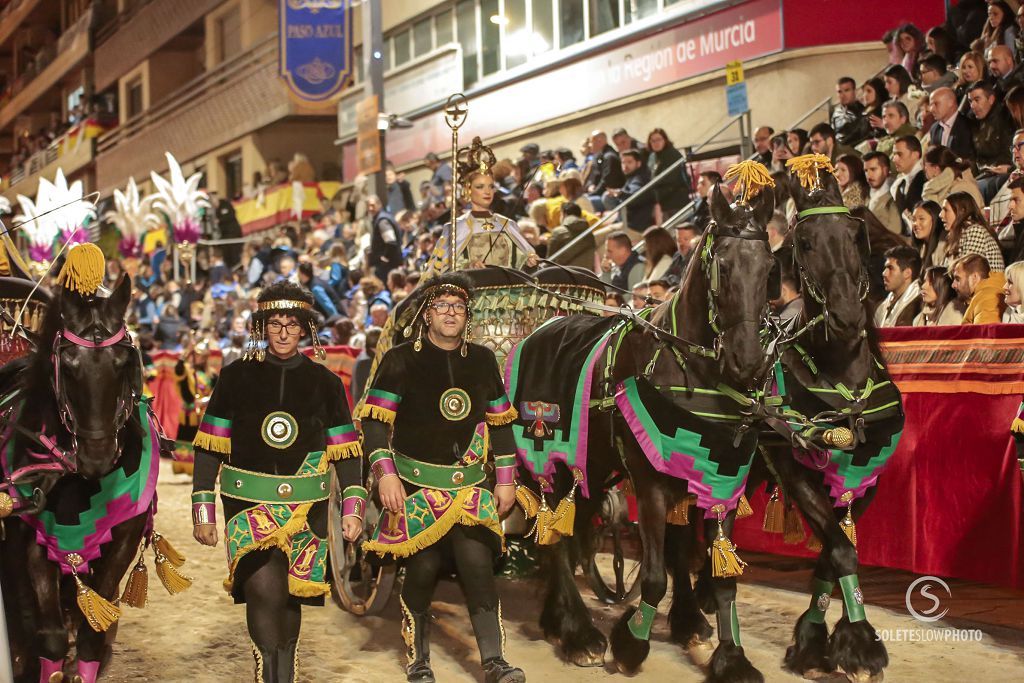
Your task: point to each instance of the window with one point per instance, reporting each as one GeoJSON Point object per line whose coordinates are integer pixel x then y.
{"type": "Point", "coordinates": [517, 34]}
{"type": "Point", "coordinates": [465, 20]}
{"type": "Point", "coordinates": [75, 97]}
{"type": "Point", "coordinates": [422, 38]}
{"type": "Point", "coordinates": [443, 28]}
{"type": "Point", "coordinates": [640, 9]}
{"type": "Point", "coordinates": [233, 174]}
{"type": "Point", "coordinates": [604, 16]}
{"type": "Point", "coordinates": [402, 47]}
{"type": "Point", "coordinates": [490, 36]}
{"type": "Point", "coordinates": [543, 26]}
{"type": "Point", "coordinates": [133, 97]}
{"type": "Point", "coordinates": [570, 22]}
{"type": "Point", "coordinates": [229, 34]}
{"type": "Point", "coordinates": [386, 57]}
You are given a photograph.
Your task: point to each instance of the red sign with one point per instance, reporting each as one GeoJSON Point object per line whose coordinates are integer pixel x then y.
{"type": "Point", "coordinates": [737, 33]}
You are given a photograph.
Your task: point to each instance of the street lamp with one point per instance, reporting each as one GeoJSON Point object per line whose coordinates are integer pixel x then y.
{"type": "Point", "coordinates": [386, 121]}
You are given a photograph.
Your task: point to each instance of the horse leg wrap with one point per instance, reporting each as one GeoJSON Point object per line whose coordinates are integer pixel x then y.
{"type": "Point", "coordinates": [51, 671]}
{"type": "Point", "coordinates": [853, 598]}
{"type": "Point", "coordinates": [821, 598]}
{"type": "Point", "coordinates": [732, 626]}
{"type": "Point", "coordinates": [642, 620]}
{"type": "Point", "coordinates": [88, 671]}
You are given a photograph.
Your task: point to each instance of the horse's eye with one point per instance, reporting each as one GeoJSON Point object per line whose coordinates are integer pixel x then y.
{"type": "Point", "coordinates": [805, 244]}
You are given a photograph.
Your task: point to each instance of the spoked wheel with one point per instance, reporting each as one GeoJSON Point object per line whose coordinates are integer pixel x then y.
{"type": "Point", "coordinates": [613, 570]}
{"type": "Point", "coordinates": [359, 585]}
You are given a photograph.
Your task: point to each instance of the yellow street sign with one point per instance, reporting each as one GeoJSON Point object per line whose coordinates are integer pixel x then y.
{"type": "Point", "coordinates": [733, 73]}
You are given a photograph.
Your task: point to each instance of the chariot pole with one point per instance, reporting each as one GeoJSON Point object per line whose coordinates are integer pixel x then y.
{"type": "Point", "coordinates": [455, 113]}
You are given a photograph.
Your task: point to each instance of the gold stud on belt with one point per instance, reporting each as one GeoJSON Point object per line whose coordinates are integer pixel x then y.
{"type": "Point", "coordinates": [457, 478]}
{"type": "Point", "coordinates": [285, 490]}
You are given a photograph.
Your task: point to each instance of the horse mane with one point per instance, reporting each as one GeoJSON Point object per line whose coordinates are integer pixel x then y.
{"type": "Point", "coordinates": [662, 312]}
{"type": "Point", "coordinates": [35, 378]}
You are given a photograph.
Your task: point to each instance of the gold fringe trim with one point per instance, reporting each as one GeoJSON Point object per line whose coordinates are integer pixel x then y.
{"type": "Point", "coordinates": [436, 531]}
{"type": "Point", "coordinates": [774, 514]}
{"type": "Point", "coordinates": [528, 501]}
{"type": "Point", "coordinates": [301, 588]}
{"type": "Point", "coordinates": [136, 590]}
{"type": "Point", "coordinates": [342, 451]}
{"type": "Point", "coordinates": [753, 177]}
{"type": "Point", "coordinates": [214, 444]}
{"type": "Point", "coordinates": [1017, 426]}
{"type": "Point", "coordinates": [793, 527]}
{"type": "Point", "coordinates": [500, 419]}
{"type": "Point", "coordinates": [680, 512]}
{"type": "Point", "coordinates": [384, 415]}
{"type": "Point", "coordinates": [99, 612]}
{"type": "Point", "coordinates": [743, 508]}
{"type": "Point", "coordinates": [280, 539]}
{"type": "Point", "coordinates": [806, 169]}
{"type": "Point", "coordinates": [84, 269]}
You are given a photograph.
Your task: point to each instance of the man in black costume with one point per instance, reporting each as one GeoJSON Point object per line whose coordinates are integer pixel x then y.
{"type": "Point", "coordinates": [444, 402]}
{"type": "Point", "coordinates": [275, 424]}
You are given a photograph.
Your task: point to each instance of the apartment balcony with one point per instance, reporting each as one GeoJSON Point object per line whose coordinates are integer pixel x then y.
{"type": "Point", "coordinates": [130, 38]}
{"type": "Point", "coordinates": [13, 15]}
{"type": "Point", "coordinates": [50, 66]}
{"type": "Point", "coordinates": [237, 97]}
{"type": "Point", "coordinates": [71, 152]}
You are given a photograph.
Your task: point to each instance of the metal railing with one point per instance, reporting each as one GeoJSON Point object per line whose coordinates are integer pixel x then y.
{"type": "Point", "coordinates": [743, 120]}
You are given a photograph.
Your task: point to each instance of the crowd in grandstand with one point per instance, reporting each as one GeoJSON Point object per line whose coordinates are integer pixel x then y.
{"type": "Point", "coordinates": [928, 153]}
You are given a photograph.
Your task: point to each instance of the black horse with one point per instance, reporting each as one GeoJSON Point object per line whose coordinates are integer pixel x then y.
{"type": "Point", "coordinates": [834, 370]}
{"type": "Point", "coordinates": [74, 403]}
{"type": "Point", "coordinates": [699, 357]}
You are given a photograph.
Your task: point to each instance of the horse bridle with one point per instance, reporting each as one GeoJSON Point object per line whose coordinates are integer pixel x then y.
{"type": "Point", "coordinates": [811, 286]}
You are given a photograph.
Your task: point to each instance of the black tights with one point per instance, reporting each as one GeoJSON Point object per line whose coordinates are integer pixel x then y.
{"type": "Point", "coordinates": [273, 618]}
{"type": "Point", "coordinates": [474, 564]}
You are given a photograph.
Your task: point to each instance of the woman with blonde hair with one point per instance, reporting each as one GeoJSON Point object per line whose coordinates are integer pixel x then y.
{"type": "Point", "coordinates": [1013, 290]}
{"type": "Point", "coordinates": [972, 69]}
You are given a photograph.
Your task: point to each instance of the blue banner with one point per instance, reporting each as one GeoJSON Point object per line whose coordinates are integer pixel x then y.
{"type": "Point", "coordinates": [315, 46]}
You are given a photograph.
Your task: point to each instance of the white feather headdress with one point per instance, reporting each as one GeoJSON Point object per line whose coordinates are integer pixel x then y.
{"type": "Point", "coordinates": [181, 200]}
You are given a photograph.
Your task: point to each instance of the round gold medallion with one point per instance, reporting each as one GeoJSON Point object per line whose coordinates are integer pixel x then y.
{"type": "Point", "coordinates": [280, 429]}
{"type": "Point", "coordinates": [455, 404]}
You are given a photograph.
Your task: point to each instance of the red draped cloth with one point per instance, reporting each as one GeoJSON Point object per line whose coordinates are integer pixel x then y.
{"type": "Point", "coordinates": [949, 501]}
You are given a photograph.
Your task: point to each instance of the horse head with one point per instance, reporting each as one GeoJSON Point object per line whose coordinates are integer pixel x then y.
{"type": "Point", "coordinates": [737, 264]}
{"type": "Point", "coordinates": [96, 374]}
{"type": "Point", "coordinates": [830, 248]}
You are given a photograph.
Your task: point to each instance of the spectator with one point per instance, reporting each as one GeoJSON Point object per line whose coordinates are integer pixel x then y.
{"type": "Point", "coordinates": [906, 189]}
{"type": "Point", "coordinates": [945, 175]}
{"type": "Point", "coordinates": [880, 240]}
{"type": "Point", "coordinates": [622, 267]}
{"type": "Point", "coordinates": [873, 96]}
{"type": "Point", "coordinates": [847, 118]}
{"type": "Point", "coordinates": [852, 181]}
{"type": "Point", "coordinates": [300, 170]}
{"type": "Point", "coordinates": [364, 361]}
{"type": "Point", "coordinates": [880, 200]}
{"type": "Point", "coordinates": [895, 123]}
{"type": "Point", "coordinates": [938, 41]}
{"type": "Point", "coordinates": [385, 250]}
{"type": "Point", "coordinates": [1012, 293]}
{"type": "Point", "coordinates": [441, 173]}
{"type": "Point", "coordinates": [1000, 29]}
{"type": "Point", "coordinates": [672, 192]}
{"type": "Point", "coordinates": [640, 213]}
{"type": "Point", "coordinates": [969, 232]}
{"type": "Point", "coordinates": [1014, 102]}
{"type": "Point", "coordinates": [972, 70]}
{"type": "Point", "coordinates": [659, 248]}
{"type": "Point", "coordinates": [570, 188]}
{"type": "Point", "coordinates": [780, 152]}
{"type": "Point", "coordinates": [658, 290]}
{"type": "Point", "coordinates": [951, 128]}
{"type": "Point", "coordinates": [623, 141]}
{"type": "Point", "coordinates": [929, 235]}
{"type": "Point", "coordinates": [823, 141]}
{"type": "Point", "coordinates": [763, 145]}
{"type": "Point", "coordinates": [898, 84]}
{"type": "Point", "coordinates": [797, 140]}
{"type": "Point", "coordinates": [790, 305]}
{"type": "Point", "coordinates": [169, 327]}
{"type": "Point", "coordinates": [605, 169]}
{"type": "Point", "coordinates": [530, 157]}
{"type": "Point", "coordinates": [325, 301]}
{"type": "Point", "coordinates": [1003, 67]}
{"type": "Point", "coordinates": [900, 275]}
{"type": "Point", "coordinates": [565, 160]}
{"type": "Point", "coordinates": [777, 229]}
{"type": "Point", "coordinates": [982, 289]}
{"type": "Point", "coordinates": [685, 236]}
{"type": "Point", "coordinates": [1016, 227]}
{"type": "Point", "coordinates": [993, 139]}
{"type": "Point", "coordinates": [934, 74]}
{"type": "Point", "coordinates": [583, 253]}
{"type": "Point", "coordinates": [910, 42]}
{"type": "Point", "coordinates": [399, 191]}
{"type": "Point", "coordinates": [939, 302]}
{"type": "Point", "coordinates": [641, 293]}
{"type": "Point", "coordinates": [966, 20]}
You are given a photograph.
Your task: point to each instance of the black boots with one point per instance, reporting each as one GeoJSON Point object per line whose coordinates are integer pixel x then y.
{"type": "Point", "coordinates": [276, 665]}
{"type": "Point", "coordinates": [416, 632]}
{"type": "Point", "coordinates": [490, 639]}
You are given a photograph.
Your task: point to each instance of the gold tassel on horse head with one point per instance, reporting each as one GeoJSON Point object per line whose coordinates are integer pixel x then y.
{"type": "Point", "coordinates": [753, 177]}
{"type": "Point", "coordinates": [806, 168]}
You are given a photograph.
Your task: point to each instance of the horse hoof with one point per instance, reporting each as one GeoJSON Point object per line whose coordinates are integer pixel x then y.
{"type": "Point", "coordinates": [854, 649]}
{"type": "Point", "coordinates": [700, 651]}
{"type": "Point", "coordinates": [864, 677]}
{"type": "Point", "coordinates": [730, 665]}
{"type": "Point", "coordinates": [588, 657]}
{"type": "Point", "coordinates": [629, 651]}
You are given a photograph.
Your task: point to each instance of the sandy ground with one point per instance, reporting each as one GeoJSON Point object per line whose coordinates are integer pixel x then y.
{"type": "Point", "coordinates": [200, 635]}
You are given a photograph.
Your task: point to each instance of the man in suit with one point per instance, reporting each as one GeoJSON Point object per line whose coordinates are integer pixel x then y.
{"type": "Point", "coordinates": [907, 188]}
{"type": "Point", "coordinates": [951, 129]}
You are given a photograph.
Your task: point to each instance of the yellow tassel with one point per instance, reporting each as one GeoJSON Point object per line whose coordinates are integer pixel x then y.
{"type": "Point", "coordinates": [136, 591]}
{"type": "Point", "coordinates": [564, 519]}
{"type": "Point", "coordinates": [544, 534]}
{"type": "Point", "coordinates": [753, 177]}
{"type": "Point", "coordinates": [164, 547]}
{"type": "Point", "coordinates": [774, 514]}
{"type": "Point", "coordinates": [813, 544]}
{"type": "Point", "coordinates": [376, 413]}
{"type": "Point", "coordinates": [679, 514]}
{"type": "Point", "coordinates": [99, 612]}
{"type": "Point", "coordinates": [214, 444]}
{"type": "Point", "coordinates": [83, 269]}
{"type": "Point", "coordinates": [847, 524]}
{"type": "Point", "coordinates": [806, 168]}
{"type": "Point", "coordinates": [500, 419]}
{"type": "Point", "coordinates": [342, 451]}
{"type": "Point", "coordinates": [724, 560]}
{"type": "Point", "coordinates": [793, 527]}
{"type": "Point", "coordinates": [1017, 426]}
{"type": "Point", "coordinates": [743, 508]}
{"type": "Point", "coordinates": [173, 580]}
{"type": "Point", "coordinates": [528, 501]}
